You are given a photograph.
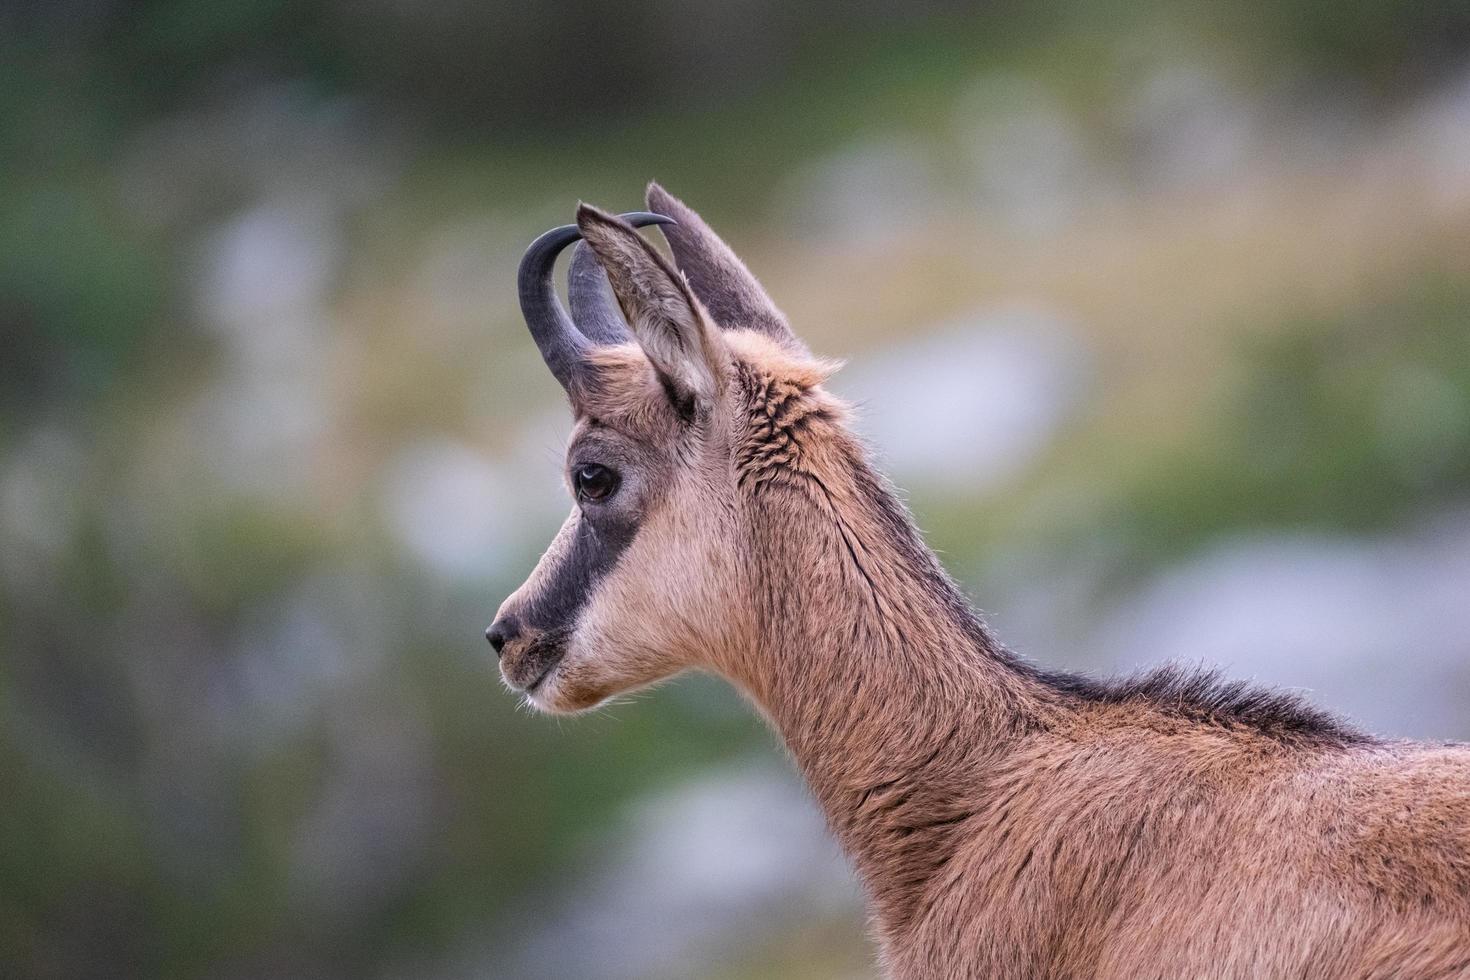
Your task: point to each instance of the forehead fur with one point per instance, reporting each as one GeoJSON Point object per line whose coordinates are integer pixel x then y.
{"type": "Point", "coordinates": [622, 385]}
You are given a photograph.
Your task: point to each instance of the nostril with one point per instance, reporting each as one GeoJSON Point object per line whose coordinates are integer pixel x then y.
{"type": "Point", "coordinates": [501, 632]}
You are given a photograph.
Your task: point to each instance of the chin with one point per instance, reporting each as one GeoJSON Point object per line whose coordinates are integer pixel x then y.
{"type": "Point", "coordinates": [549, 699]}
{"type": "Point", "coordinates": [571, 688]}
{"type": "Point", "coordinates": [567, 691]}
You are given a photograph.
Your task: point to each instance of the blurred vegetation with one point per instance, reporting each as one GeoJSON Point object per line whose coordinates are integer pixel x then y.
{"type": "Point", "coordinates": [157, 800]}
{"type": "Point", "coordinates": [561, 87]}
{"type": "Point", "coordinates": [1348, 424]}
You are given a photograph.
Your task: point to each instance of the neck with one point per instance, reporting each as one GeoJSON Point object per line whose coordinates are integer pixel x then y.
{"type": "Point", "coordinates": [889, 692]}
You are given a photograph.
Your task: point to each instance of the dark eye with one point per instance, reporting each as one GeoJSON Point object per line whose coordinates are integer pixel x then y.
{"type": "Point", "coordinates": [594, 482]}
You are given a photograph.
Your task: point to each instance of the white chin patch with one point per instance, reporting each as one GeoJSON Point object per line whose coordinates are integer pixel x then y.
{"type": "Point", "coordinates": [544, 698]}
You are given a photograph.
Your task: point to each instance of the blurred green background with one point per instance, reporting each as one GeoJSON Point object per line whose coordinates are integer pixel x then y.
{"type": "Point", "coordinates": [1161, 312]}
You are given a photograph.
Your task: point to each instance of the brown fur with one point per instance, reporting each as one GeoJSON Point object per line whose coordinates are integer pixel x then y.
{"type": "Point", "coordinates": [1006, 822]}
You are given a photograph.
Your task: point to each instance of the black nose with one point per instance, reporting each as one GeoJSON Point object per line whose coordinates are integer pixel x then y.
{"type": "Point", "coordinates": [502, 631]}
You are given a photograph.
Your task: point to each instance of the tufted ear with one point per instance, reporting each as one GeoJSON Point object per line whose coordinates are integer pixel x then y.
{"type": "Point", "coordinates": [688, 353]}
{"type": "Point", "coordinates": [732, 295]}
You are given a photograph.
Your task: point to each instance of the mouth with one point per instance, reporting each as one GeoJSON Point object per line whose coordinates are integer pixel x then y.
{"type": "Point", "coordinates": [535, 665]}
{"type": "Point", "coordinates": [535, 685]}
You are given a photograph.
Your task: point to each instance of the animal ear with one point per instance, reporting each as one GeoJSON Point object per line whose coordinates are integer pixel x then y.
{"type": "Point", "coordinates": [687, 352]}
{"type": "Point", "coordinates": [732, 295]}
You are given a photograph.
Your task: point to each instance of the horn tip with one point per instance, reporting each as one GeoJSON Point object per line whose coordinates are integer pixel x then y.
{"type": "Point", "coordinates": [640, 219]}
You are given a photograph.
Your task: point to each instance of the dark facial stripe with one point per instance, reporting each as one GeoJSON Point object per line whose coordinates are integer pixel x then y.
{"type": "Point", "coordinates": [593, 552]}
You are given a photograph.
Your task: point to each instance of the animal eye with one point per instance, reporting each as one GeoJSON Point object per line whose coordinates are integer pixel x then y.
{"type": "Point", "coordinates": [594, 482]}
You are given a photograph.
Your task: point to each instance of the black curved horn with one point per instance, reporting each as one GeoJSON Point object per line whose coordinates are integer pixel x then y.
{"type": "Point", "coordinates": [594, 308]}
{"type": "Point", "coordinates": [561, 343]}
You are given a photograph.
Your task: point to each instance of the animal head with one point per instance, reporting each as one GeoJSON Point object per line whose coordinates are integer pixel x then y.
{"type": "Point", "coordinates": [687, 387]}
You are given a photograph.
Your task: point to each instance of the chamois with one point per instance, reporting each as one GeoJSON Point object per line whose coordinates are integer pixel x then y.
{"type": "Point", "coordinates": [1005, 820]}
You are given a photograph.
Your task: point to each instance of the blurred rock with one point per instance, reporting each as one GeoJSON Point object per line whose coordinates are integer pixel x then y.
{"type": "Point", "coordinates": [450, 509]}
{"type": "Point", "coordinates": [266, 270]}
{"type": "Point", "coordinates": [693, 874]}
{"type": "Point", "coordinates": [863, 195]}
{"type": "Point", "coordinates": [972, 404]}
{"type": "Point", "coordinates": [330, 631]}
{"type": "Point", "coordinates": [41, 500]}
{"type": "Point", "coordinates": [1375, 628]}
{"type": "Point", "coordinates": [1028, 156]}
{"type": "Point", "coordinates": [1441, 129]}
{"type": "Point", "coordinates": [266, 278]}
{"type": "Point", "coordinates": [258, 433]}
{"type": "Point", "coordinates": [1187, 127]}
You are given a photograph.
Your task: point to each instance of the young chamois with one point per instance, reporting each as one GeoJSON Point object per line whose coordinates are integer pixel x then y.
{"type": "Point", "coordinates": [1006, 821]}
